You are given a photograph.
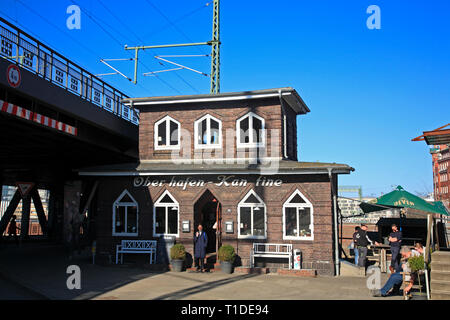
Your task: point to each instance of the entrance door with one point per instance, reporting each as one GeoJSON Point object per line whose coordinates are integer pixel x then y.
{"type": "Point", "coordinates": [206, 212]}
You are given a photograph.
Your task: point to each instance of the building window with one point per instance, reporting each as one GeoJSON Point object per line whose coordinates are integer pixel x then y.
{"type": "Point", "coordinates": [167, 134]}
{"type": "Point", "coordinates": [250, 131]}
{"type": "Point", "coordinates": [166, 216]}
{"type": "Point", "coordinates": [298, 218]}
{"type": "Point", "coordinates": [252, 217]}
{"type": "Point", "coordinates": [125, 215]}
{"type": "Point", "coordinates": [208, 132]}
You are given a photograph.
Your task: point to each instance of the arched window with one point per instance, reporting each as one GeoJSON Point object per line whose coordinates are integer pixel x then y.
{"type": "Point", "coordinates": [250, 131]}
{"type": "Point", "coordinates": [208, 132]}
{"type": "Point", "coordinates": [252, 217]}
{"type": "Point", "coordinates": [167, 134]}
{"type": "Point", "coordinates": [166, 215]}
{"type": "Point", "coordinates": [125, 215]}
{"type": "Point", "coordinates": [298, 218]}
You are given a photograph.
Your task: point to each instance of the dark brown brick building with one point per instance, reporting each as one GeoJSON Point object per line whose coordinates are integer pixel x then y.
{"type": "Point", "coordinates": [231, 157]}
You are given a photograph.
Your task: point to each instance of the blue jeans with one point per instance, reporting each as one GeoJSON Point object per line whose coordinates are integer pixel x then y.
{"type": "Point", "coordinates": [356, 255]}
{"type": "Point", "coordinates": [394, 279]}
{"type": "Point", "coordinates": [395, 260]}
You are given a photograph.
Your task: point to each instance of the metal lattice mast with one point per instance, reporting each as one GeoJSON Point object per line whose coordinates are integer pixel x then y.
{"type": "Point", "coordinates": [215, 50]}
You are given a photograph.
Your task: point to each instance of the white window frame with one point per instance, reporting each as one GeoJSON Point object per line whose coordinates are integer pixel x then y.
{"type": "Point", "coordinates": [242, 204]}
{"type": "Point", "coordinates": [299, 207]}
{"type": "Point", "coordinates": [208, 133]}
{"type": "Point", "coordinates": [126, 205]}
{"type": "Point", "coordinates": [167, 119]}
{"type": "Point", "coordinates": [166, 206]}
{"type": "Point", "coordinates": [251, 143]}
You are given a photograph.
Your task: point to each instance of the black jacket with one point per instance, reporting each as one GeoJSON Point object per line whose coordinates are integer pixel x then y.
{"type": "Point", "coordinates": [360, 238]}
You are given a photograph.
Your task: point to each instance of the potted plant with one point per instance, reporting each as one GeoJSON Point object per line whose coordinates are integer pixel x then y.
{"type": "Point", "coordinates": [177, 257]}
{"type": "Point", "coordinates": [226, 258]}
{"type": "Point", "coordinates": [416, 263]}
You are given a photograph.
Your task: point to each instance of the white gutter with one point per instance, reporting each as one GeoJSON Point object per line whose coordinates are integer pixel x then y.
{"type": "Point", "coordinates": [335, 219]}
{"type": "Point", "coordinates": [284, 125]}
{"type": "Point", "coordinates": [206, 172]}
{"type": "Point", "coordinates": [208, 99]}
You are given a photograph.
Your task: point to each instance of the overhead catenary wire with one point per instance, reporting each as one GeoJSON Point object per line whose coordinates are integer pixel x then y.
{"type": "Point", "coordinates": [94, 53]}
{"type": "Point", "coordinates": [139, 39]}
{"type": "Point", "coordinates": [92, 17]}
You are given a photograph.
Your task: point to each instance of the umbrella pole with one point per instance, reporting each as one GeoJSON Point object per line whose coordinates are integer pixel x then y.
{"type": "Point", "coordinates": [427, 252]}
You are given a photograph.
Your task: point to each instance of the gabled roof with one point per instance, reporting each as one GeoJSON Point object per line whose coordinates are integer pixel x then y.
{"type": "Point", "coordinates": [289, 95]}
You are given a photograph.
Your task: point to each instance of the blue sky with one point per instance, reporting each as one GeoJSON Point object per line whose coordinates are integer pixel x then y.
{"type": "Point", "coordinates": [370, 91]}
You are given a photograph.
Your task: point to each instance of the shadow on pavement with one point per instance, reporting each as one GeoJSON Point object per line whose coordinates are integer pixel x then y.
{"type": "Point", "coordinates": [202, 288]}
{"type": "Point", "coordinates": [42, 269]}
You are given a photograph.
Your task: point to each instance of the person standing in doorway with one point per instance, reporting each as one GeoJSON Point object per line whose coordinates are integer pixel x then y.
{"type": "Point", "coordinates": [12, 230]}
{"type": "Point", "coordinates": [200, 244]}
{"type": "Point", "coordinates": [395, 242]}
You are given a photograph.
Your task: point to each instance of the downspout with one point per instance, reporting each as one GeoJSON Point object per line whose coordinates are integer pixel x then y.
{"type": "Point", "coordinates": [284, 125]}
{"type": "Point", "coordinates": [335, 218]}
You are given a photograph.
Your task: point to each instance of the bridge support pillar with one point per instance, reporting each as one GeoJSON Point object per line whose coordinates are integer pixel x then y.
{"type": "Point", "coordinates": [25, 219]}
{"type": "Point", "coordinates": [39, 210]}
{"type": "Point", "coordinates": [72, 217]}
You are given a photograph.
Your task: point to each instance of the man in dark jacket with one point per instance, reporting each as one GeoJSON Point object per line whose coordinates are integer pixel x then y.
{"type": "Point", "coordinates": [200, 243]}
{"type": "Point", "coordinates": [362, 241]}
{"type": "Point", "coordinates": [395, 241]}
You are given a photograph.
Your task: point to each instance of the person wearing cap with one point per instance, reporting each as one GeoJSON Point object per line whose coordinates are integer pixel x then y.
{"type": "Point", "coordinates": [362, 241]}
{"type": "Point", "coordinates": [395, 242]}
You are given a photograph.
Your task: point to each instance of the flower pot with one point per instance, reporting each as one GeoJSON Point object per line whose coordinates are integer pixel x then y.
{"type": "Point", "coordinates": [177, 265]}
{"type": "Point", "coordinates": [226, 266]}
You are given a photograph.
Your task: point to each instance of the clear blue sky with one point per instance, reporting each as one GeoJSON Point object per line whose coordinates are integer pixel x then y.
{"type": "Point", "coordinates": [369, 91]}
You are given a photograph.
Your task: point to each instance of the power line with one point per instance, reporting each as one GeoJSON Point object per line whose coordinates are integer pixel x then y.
{"type": "Point", "coordinates": [140, 39]}
{"type": "Point", "coordinates": [171, 23]}
{"type": "Point", "coordinates": [118, 19]}
{"type": "Point", "coordinates": [180, 19]}
{"type": "Point", "coordinates": [57, 28]}
{"type": "Point", "coordinates": [91, 16]}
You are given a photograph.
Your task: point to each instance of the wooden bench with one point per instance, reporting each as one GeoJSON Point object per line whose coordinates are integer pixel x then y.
{"type": "Point", "coordinates": [136, 246]}
{"type": "Point", "coordinates": [271, 250]}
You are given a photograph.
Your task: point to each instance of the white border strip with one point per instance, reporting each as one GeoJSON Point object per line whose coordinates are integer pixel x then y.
{"type": "Point", "coordinates": [267, 95]}
{"type": "Point", "coordinates": [184, 173]}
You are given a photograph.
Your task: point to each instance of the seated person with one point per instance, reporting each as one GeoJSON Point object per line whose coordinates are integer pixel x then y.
{"type": "Point", "coordinates": [418, 250]}
{"type": "Point", "coordinates": [396, 278]}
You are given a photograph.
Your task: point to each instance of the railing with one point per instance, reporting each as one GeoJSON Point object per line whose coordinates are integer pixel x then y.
{"type": "Point", "coordinates": [21, 48]}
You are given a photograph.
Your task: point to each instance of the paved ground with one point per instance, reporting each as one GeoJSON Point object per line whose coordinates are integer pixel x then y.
{"type": "Point", "coordinates": [42, 269]}
{"type": "Point", "coordinates": [9, 290]}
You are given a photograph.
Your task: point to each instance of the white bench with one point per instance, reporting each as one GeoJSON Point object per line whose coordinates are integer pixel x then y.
{"type": "Point", "coordinates": [136, 246]}
{"type": "Point", "coordinates": [271, 250]}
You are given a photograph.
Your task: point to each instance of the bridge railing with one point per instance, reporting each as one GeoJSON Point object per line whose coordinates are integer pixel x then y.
{"type": "Point", "coordinates": [19, 47]}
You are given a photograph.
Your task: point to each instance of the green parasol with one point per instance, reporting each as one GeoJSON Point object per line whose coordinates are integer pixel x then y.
{"type": "Point", "coordinates": [401, 198]}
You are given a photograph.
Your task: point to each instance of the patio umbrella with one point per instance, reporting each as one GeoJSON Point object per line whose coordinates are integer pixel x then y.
{"type": "Point", "coordinates": [403, 199]}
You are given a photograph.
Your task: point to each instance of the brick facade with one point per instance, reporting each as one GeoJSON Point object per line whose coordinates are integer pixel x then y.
{"type": "Point", "coordinates": [228, 113]}
{"type": "Point", "coordinates": [316, 253]}
{"type": "Point", "coordinates": [279, 109]}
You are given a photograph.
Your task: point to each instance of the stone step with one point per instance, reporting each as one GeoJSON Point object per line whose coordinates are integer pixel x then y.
{"type": "Point", "coordinates": [350, 270]}
{"type": "Point", "coordinates": [439, 266]}
{"type": "Point", "coordinates": [441, 256]}
{"type": "Point", "coordinates": [440, 295]}
{"type": "Point", "coordinates": [440, 285]}
{"type": "Point", "coordinates": [440, 275]}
